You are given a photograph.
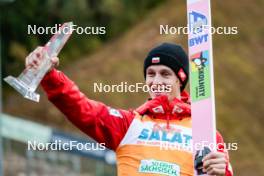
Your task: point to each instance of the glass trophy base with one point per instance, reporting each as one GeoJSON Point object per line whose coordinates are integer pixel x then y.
{"type": "Point", "coordinates": [27, 82]}
{"type": "Point", "coordinates": [22, 88]}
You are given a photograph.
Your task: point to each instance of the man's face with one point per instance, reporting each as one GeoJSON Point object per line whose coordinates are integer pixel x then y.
{"type": "Point", "coordinates": [162, 81]}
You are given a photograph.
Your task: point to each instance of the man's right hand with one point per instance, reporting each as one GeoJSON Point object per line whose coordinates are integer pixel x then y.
{"type": "Point", "coordinates": [34, 59]}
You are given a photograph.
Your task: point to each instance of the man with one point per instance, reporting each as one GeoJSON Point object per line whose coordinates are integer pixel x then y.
{"type": "Point", "coordinates": [141, 137]}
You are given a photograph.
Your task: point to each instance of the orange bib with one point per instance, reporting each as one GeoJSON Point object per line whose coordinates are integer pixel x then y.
{"type": "Point", "coordinates": [149, 148]}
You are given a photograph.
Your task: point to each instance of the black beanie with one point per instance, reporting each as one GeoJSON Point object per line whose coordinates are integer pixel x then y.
{"type": "Point", "coordinates": [172, 56]}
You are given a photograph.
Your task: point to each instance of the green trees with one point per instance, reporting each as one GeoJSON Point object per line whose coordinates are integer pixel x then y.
{"type": "Point", "coordinates": [116, 15]}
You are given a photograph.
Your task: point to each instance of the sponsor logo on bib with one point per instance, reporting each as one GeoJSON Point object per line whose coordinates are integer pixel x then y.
{"type": "Point", "coordinates": [159, 167]}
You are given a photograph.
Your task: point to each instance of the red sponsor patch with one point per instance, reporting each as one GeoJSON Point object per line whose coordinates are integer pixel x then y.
{"type": "Point", "coordinates": [182, 75]}
{"type": "Point", "coordinates": [177, 109]}
{"type": "Point", "coordinates": [158, 109]}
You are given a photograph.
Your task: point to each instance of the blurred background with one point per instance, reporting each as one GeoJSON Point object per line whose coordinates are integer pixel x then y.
{"type": "Point", "coordinates": [132, 29]}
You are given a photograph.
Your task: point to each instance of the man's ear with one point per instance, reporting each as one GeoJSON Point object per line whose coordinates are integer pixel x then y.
{"type": "Point", "coordinates": [179, 82]}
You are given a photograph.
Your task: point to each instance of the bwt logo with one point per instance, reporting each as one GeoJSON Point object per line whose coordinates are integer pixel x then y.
{"type": "Point", "coordinates": [197, 21]}
{"type": "Point", "coordinates": [197, 24]}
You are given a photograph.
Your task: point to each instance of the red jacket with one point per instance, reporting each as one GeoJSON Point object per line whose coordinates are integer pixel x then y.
{"type": "Point", "coordinates": [103, 123]}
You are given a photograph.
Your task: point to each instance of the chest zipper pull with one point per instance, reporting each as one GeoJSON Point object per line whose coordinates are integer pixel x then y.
{"type": "Point", "coordinates": [168, 121]}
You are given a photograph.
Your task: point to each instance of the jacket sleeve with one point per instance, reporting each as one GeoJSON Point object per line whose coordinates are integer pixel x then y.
{"type": "Point", "coordinates": [102, 123]}
{"type": "Point", "coordinates": [221, 148]}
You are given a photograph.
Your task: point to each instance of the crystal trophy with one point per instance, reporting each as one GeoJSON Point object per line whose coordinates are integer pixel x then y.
{"type": "Point", "coordinates": [27, 82]}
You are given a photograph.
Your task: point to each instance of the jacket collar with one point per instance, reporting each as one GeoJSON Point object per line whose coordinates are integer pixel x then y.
{"type": "Point", "coordinates": [161, 108]}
